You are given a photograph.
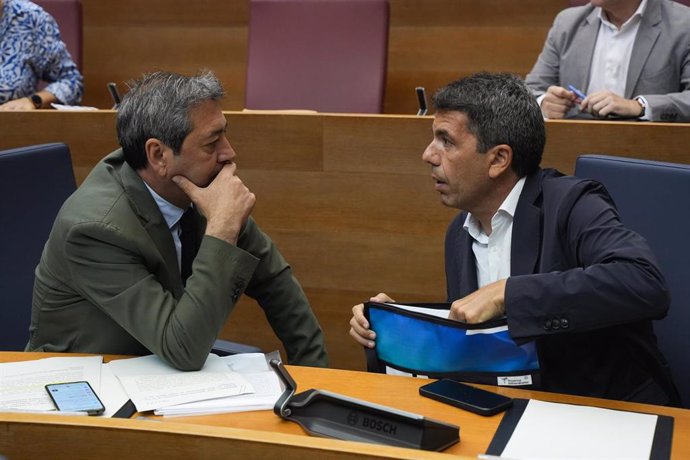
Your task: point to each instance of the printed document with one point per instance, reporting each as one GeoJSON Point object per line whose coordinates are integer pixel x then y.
{"type": "Point", "coordinates": [22, 384]}
{"type": "Point", "coordinates": [153, 384]}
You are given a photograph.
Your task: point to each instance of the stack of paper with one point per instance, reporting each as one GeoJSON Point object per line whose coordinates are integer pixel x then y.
{"type": "Point", "coordinates": [254, 368]}
{"type": "Point", "coordinates": [22, 384]}
{"type": "Point", "coordinates": [225, 384]}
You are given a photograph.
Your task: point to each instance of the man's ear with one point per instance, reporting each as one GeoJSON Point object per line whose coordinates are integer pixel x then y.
{"type": "Point", "coordinates": [501, 160]}
{"type": "Point", "coordinates": [156, 156]}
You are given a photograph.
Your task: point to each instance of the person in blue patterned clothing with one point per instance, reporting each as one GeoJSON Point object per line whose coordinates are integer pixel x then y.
{"type": "Point", "coordinates": [31, 51]}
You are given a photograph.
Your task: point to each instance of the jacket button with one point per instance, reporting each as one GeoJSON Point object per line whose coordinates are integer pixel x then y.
{"type": "Point", "coordinates": [547, 325]}
{"type": "Point", "coordinates": [564, 323]}
{"type": "Point", "coordinates": [556, 324]}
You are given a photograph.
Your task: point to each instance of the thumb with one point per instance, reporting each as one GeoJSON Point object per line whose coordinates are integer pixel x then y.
{"type": "Point", "coordinates": [185, 184]}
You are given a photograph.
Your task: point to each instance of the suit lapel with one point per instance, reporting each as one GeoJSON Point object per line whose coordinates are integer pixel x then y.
{"type": "Point", "coordinates": [466, 264]}
{"type": "Point", "coordinates": [582, 50]}
{"type": "Point", "coordinates": [647, 35]}
{"type": "Point", "coordinates": [154, 223]}
{"type": "Point", "coordinates": [527, 228]}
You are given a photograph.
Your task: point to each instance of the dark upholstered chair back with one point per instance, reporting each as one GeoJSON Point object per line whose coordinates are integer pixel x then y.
{"type": "Point", "coordinates": [653, 199]}
{"type": "Point", "coordinates": [324, 55]}
{"type": "Point", "coordinates": [34, 182]}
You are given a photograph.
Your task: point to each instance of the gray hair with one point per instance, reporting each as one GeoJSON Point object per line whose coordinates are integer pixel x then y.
{"type": "Point", "coordinates": [158, 106]}
{"type": "Point", "coordinates": [500, 110]}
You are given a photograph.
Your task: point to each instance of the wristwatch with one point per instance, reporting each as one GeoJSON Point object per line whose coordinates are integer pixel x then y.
{"type": "Point", "coordinates": [642, 103]}
{"type": "Point", "coordinates": [36, 100]}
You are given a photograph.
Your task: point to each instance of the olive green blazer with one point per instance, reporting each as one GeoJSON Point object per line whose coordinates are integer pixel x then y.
{"type": "Point", "coordinates": [109, 282]}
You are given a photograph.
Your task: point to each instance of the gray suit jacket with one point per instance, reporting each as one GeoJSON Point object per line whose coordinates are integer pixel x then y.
{"type": "Point", "coordinates": [659, 65]}
{"type": "Point", "coordinates": [108, 280]}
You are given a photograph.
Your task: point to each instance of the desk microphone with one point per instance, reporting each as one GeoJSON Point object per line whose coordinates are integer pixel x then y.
{"type": "Point", "coordinates": [112, 88]}
{"type": "Point", "coordinates": [421, 100]}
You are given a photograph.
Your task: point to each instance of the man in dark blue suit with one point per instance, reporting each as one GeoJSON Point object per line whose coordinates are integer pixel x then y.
{"type": "Point", "coordinates": [548, 251]}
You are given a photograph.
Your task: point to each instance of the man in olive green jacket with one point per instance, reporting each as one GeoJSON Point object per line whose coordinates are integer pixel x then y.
{"type": "Point", "coordinates": [111, 276]}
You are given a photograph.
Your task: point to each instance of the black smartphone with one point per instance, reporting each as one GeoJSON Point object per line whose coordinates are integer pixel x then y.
{"type": "Point", "coordinates": [466, 397]}
{"type": "Point", "coordinates": [75, 397]}
{"type": "Point", "coordinates": [421, 100]}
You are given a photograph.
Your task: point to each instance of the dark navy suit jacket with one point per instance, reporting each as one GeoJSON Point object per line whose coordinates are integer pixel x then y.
{"type": "Point", "coordinates": [582, 285]}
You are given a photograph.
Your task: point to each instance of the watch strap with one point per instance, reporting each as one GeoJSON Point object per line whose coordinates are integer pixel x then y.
{"type": "Point", "coordinates": [36, 100]}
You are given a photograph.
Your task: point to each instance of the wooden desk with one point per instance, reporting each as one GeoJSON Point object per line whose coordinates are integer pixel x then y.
{"type": "Point", "coordinates": [346, 198]}
{"type": "Point", "coordinates": [262, 434]}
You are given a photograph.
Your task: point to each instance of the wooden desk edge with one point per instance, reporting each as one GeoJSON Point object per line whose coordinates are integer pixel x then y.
{"type": "Point", "coordinates": [11, 421]}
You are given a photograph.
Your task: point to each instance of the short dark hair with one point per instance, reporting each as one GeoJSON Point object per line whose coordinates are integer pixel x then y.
{"type": "Point", "coordinates": [500, 110]}
{"type": "Point", "coordinates": [158, 106]}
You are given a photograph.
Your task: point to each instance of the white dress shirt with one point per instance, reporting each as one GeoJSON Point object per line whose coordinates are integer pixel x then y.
{"type": "Point", "coordinates": [612, 51]}
{"type": "Point", "coordinates": [492, 252]}
{"type": "Point", "coordinates": [172, 215]}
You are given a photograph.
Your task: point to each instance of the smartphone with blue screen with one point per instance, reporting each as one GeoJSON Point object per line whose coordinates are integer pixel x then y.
{"type": "Point", "coordinates": [75, 397]}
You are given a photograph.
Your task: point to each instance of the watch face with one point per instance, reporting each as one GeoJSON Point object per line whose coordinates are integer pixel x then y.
{"type": "Point", "coordinates": [36, 99]}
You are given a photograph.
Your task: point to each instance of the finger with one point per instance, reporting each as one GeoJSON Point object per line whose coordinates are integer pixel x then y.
{"type": "Point", "coordinates": [362, 331]}
{"type": "Point", "coordinates": [229, 168]}
{"type": "Point", "coordinates": [457, 315]}
{"type": "Point", "coordinates": [185, 184]}
{"type": "Point", "coordinates": [361, 340]}
{"type": "Point", "coordinates": [381, 297]}
{"type": "Point", "coordinates": [358, 315]}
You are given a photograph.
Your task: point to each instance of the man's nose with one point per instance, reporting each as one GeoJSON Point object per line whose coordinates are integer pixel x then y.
{"type": "Point", "coordinates": [226, 152]}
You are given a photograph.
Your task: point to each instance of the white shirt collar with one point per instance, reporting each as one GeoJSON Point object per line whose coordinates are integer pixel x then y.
{"type": "Point", "coordinates": [508, 207]}
{"type": "Point", "coordinates": [171, 213]}
{"type": "Point", "coordinates": [637, 15]}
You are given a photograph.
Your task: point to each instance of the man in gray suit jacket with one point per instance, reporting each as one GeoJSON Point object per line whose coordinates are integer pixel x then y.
{"type": "Point", "coordinates": [626, 58]}
{"type": "Point", "coordinates": [118, 276]}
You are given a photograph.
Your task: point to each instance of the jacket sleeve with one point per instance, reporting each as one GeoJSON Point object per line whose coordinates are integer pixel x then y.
{"type": "Point", "coordinates": [283, 301]}
{"type": "Point", "coordinates": [108, 268]}
{"type": "Point", "coordinates": [600, 274]}
{"type": "Point", "coordinates": [54, 63]}
{"type": "Point", "coordinates": [545, 72]}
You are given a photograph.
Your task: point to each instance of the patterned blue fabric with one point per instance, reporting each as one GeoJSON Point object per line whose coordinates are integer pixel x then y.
{"type": "Point", "coordinates": [31, 50]}
{"type": "Point", "coordinates": [411, 343]}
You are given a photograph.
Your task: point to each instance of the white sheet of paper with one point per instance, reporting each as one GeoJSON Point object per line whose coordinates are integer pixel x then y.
{"type": "Point", "coordinates": [552, 431]}
{"type": "Point", "coordinates": [112, 395]}
{"type": "Point", "coordinates": [151, 383]}
{"type": "Point", "coordinates": [22, 384]}
{"type": "Point", "coordinates": [267, 391]}
{"type": "Point", "coordinates": [427, 311]}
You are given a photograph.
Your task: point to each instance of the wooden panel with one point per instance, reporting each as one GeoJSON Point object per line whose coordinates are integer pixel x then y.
{"type": "Point", "coordinates": [353, 146]}
{"type": "Point", "coordinates": [432, 57]}
{"type": "Point", "coordinates": [276, 141]}
{"type": "Point", "coordinates": [124, 39]}
{"type": "Point", "coordinates": [89, 135]}
{"type": "Point", "coordinates": [347, 199]}
{"type": "Point", "coordinates": [566, 139]}
{"type": "Point", "coordinates": [431, 42]}
{"type": "Point", "coordinates": [432, 13]}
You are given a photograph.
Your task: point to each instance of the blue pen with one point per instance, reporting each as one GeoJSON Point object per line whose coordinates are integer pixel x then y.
{"type": "Point", "coordinates": [577, 92]}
